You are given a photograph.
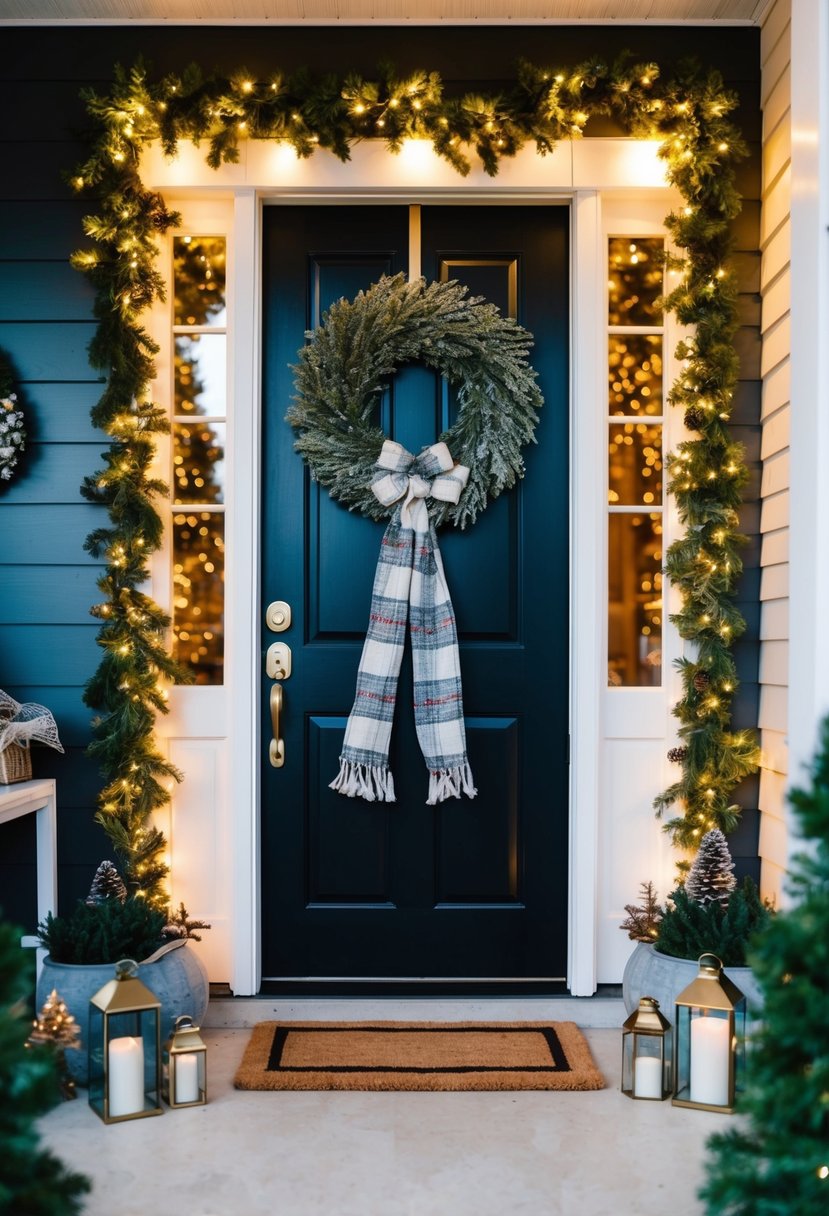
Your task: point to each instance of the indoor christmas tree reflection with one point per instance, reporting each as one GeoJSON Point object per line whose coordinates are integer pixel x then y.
{"type": "Point", "coordinates": [198, 457]}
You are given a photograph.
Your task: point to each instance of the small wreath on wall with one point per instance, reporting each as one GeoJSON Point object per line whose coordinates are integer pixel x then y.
{"type": "Point", "coordinates": [12, 431]}
{"type": "Point", "coordinates": [346, 365]}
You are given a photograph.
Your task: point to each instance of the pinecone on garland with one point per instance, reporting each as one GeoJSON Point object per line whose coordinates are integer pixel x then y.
{"type": "Point", "coordinates": [694, 418]}
{"type": "Point", "coordinates": [702, 681]}
{"type": "Point", "coordinates": [677, 754]}
{"type": "Point", "coordinates": [141, 294]}
{"type": "Point", "coordinates": [160, 217]}
{"type": "Point", "coordinates": [56, 1025]}
{"type": "Point", "coordinates": [710, 877]}
{"type": "Point", "coordinates": [107, 884]}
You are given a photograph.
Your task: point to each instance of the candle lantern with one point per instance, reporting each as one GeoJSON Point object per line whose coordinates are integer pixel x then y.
{"type": "Point", "coordinates": [646, 1052]}
{"type": "Point", "coordinates": [710, 1040]}
{"type": "Point", "coordinates": [124, 1048]}
{"type": "Point", "coordinates": [184, 1066]}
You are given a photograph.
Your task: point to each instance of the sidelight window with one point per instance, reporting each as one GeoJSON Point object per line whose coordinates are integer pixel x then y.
{"type": "Point", "coordinates": [635, 460]}
{"type": "Point", "coordinates": [197, 479]}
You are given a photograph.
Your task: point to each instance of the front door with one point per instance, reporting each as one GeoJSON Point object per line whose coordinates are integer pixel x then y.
{"type": "Point", "coordinates": [467, 891]}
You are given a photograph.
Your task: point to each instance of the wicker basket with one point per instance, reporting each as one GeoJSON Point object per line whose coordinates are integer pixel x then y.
{"type": "Point", "coordinates": [15, 764]}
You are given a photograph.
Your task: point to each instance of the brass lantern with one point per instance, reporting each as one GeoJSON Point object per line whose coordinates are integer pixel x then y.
{"type": "Point", "coordinates": [124, 1048]}
{"type": "Point", "coordinates": [710, 1040]}
{"type": "Point", "coordinates": [184, 1066]}
{"type": "Point", "coordinates": [646, 1052]}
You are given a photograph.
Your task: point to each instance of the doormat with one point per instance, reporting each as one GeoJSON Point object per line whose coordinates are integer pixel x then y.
{"type": "Point", "coordinates": [418, 1055]}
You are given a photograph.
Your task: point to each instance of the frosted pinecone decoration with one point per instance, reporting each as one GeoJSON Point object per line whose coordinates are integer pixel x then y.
{"type": "Point", "coordinates": [710, 877]}
{"type": "Point", "coordinates": [107, 884]}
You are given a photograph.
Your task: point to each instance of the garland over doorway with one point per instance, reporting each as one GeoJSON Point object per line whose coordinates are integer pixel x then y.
{"type": "Point", "coordinates": [700, 147]}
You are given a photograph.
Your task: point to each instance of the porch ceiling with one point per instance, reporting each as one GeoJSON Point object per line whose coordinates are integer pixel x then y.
{"type": "Point", "coordinates": [743, 12]}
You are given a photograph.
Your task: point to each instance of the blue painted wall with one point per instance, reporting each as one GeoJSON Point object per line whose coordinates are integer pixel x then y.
{"type": "Point", "coordinates": [47, 638]}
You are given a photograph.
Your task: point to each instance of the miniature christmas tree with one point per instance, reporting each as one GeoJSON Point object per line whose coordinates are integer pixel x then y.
{"type": "Point", "coordinates": [710, 877]}
{"type": "Point", "coordinates": [778, 1161]}
{"type": "Point", "coordinates": [32, 1180]}
{"type": "Point", "coordinates": [107, 884]}
{"type": "Point", "coordinates": [56, 1025]}
{"type": "Point", "coordinates": [642, 922]}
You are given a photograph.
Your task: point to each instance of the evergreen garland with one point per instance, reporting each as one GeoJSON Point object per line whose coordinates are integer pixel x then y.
{"type": "Point", "coordinates": [777, 1161]}
{"type": "Point", "coordinates": [346, 363]}
{"type": "Point", "coordinates": [700, 146]}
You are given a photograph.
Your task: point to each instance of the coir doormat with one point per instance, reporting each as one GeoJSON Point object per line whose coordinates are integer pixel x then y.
{"type": "Point", "coordinates": [418, 1055]}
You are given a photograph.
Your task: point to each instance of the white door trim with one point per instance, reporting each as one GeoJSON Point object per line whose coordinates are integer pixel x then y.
{"type": "Point", "coordinates": [581, 172]}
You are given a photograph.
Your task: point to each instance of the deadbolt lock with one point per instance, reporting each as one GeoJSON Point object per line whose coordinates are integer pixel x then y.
{"type": "Point", "coordinates": [278, 661]}
{"type": "Point", "coordinates": [278, 616]}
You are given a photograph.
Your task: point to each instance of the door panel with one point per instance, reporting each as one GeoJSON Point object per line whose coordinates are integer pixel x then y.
{"type": "Point", "coordinates": [467, 889]}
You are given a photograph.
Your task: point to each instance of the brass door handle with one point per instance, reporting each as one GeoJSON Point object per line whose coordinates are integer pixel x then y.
{"type": "Point", "coordinates": [276, 751]}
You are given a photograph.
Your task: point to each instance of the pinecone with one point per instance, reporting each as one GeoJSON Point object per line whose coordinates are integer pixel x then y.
{"type": "Point", "coordinates": [160, 217]}
{"type": "Point", "coordinates": [694, 418]}
{"type": "Point", "coordinates": [107, 884]}
{"type": "Point", "coordinates": [701, 681]}
{"type": "Point", "coordinates": [677, 754]}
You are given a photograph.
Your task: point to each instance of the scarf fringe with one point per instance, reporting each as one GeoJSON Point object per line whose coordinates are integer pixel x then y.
{"type": "Point", "coordinates": [372, 782]}
{"type": "Point", "coordinates": [450, 783]}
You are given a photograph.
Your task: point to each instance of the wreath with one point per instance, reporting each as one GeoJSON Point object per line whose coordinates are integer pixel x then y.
{"type": "Point", "coordinates": [347, 362]}
{"type": "Point", "coordinates": [12, 431]}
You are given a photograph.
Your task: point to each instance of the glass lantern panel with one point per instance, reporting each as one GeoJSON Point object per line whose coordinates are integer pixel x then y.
{"type": "Point", "coordinates": [635, 277]}
{"type": "Point", "coordinates": [648, 1066]}
{"type": "Point", "coordinates": [188, 1079]}
{"type": "Point", "coordinates": [634, 382]}
{"type": "Point", "coordinates": [198, 462]}
{"type": "Point", "coordinates": [706, 1055]}
{"type": "Point", "coordinates": [635, 464]}
{"type": "Point", "coordinates": [199, 280]}
{"type": "Point", "coordinates": [635, 599]}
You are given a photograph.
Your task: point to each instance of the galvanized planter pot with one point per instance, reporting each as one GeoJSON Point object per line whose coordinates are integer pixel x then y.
{"type": "Point", "coordinates": [650, 973]}
{"type": "Point", "coordinates": [176, 975]}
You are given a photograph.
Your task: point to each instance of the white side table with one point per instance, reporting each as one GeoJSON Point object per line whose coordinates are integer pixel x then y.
{"type": "Point", "coordinates": [37, 798]}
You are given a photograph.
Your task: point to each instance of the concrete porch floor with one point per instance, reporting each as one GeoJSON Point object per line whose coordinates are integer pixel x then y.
{"type": "Point", "coordinates": [392, 1154]}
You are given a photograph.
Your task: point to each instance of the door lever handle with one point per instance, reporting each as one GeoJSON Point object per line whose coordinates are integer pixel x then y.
{"type": "Point", "coordinates": [276, 751]}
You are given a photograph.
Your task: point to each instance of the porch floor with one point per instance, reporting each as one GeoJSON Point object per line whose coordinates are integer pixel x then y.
{"type": "Point", "coordinates": [391, 1154]}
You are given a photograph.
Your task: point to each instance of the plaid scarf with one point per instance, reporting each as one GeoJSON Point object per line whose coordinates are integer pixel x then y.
{"type": "Point", "coordinates": [409, 584]}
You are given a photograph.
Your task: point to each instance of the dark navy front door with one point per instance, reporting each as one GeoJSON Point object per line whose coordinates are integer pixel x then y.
{"type": "Point", "coordinates": [467, 890]}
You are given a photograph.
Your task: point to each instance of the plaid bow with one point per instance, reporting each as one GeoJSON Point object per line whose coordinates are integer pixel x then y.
{"type": "Point", "coordinates": [409, 585]}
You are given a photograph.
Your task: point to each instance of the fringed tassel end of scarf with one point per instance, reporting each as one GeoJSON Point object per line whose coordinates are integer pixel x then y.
{"type": "Point", "coordinates": [369, 781]}
{"type": "Point", "coordinates": [450, 783]}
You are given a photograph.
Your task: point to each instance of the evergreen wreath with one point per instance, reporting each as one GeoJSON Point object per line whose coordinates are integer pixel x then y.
{"type": "Point", "coordinates": [12, 431]}
{"type": "Point", "coordinates": [345, 366]}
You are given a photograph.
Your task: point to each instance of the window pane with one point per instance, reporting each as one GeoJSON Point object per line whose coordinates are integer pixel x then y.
{"type": "Point", "coordinates": [634, 280]}
{"type": "Point", "coordinates": [198, 462]}
{"type": "Point", "coordinates": [200, 376]}
{"type": "Point", "coordinates": [199, 280]}
{"type": "Point", "coordinates": [635, 374]}
{"type": "Point", "coordinates": [198, 593]}
{"type": "Point", "coordinates": [635, 464]}
{"type": "Point", "coordinates": [634, 625]}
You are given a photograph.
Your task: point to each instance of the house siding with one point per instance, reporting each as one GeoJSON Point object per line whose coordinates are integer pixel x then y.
{"type": "Point", "coordinates": [775, 288]}
{"type": "Point", "coordinates": [47, 639]}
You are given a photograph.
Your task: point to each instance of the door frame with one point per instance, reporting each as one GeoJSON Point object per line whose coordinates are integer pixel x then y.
{"type": "Point", "coordinates": [585, 175]}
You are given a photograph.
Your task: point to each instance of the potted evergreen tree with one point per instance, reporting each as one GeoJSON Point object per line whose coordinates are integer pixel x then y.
{"type": "Point", "coordinates": [111, 925]}
{"type": "Point", "coordinates": [711, 913]}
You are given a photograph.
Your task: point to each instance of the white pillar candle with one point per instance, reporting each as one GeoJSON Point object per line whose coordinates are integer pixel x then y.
{"type": "Point", "coordinates": [710, 1050]}
{"type": "Point", "coordinates": [187, 1078]}
{"type": "Point", "coordinates": [126, 1076]}
{"type": "Point", "coordinates": [647, 1077]}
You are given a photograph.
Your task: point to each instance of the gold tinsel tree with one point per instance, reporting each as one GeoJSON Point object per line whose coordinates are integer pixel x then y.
{"type": "Point", "coordinates": [56, 1025]}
